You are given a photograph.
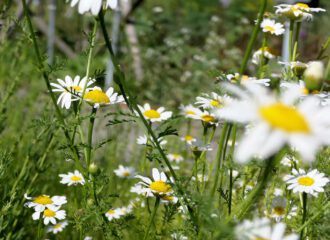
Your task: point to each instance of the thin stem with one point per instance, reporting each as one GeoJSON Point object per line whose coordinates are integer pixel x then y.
{"type": "Point", "coordinates": [152, 218]}
{"type": "Point", "coordinates": [46, 79]}
{"type": "Point", "coordinates": [304, 203]}
{"type": "Point", "coordinates": [218, 156]}
{"type": "Point", "coordinates": [232, 148]}
{"type": "Point", "coordinates": [291, 39]}
{"type": "Point", "coordinates": [253, 38]}
{"type": "Point", "coordinates": [262, 57]}
{"type": "Point", "coordinates": [296, 38]}
{"type": "Point", "coordinates": [90, 136]}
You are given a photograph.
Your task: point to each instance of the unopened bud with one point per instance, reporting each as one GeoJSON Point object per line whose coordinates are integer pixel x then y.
{"type": "Point", "coordinates": [93, 169]}
{"type": "Point", "coordinates": [298, 68]}
{"type": "Point", "coordinates": [314, 75]}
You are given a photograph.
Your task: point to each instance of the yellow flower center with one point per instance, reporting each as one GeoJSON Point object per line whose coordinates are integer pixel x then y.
{"type": "Point", "coordinates": [285, 118]}
{"type": "Point", "coordinates": [97, 96]}
{"type": "Point", "coordinates": [215, 103]}
{"type": "Point", "coordinates": [304, 6]}
{"type": "Point", "coordinates": [126, 174]}
{"type": "Point", "coordinates": [75, 178]}
{"type": "Point", "coordinates": [245, 77]}
{"type": "Point", "coordinates": [43, 200]}
{"type": "Point", "coordinates": [49, 213]}
{"type": "Point", "coordinates": [111, 212]}
{"type": "Point", "coordinates": [188, 138]}
{"type": "Point", "coordinates": [208, 118]}
{"type": "Point", "coordinates": [270, 29]}
{"type": "Point", "coordinates": [168, 198]}
{"type": "Point", "coordinates": [160, 187]}
{"type": "Point", "coordinates": [57, 226]}
{"type": "Point", "coordinates": [279, 211]}
{"type": "Point", "coordinates": [76, 88]}
{"type": "Point", "coordinates": [306, 181]}
{"type": "Point", "coordinates": [190, 113]}
{"type": "Point", "coordinates": [151, 114]}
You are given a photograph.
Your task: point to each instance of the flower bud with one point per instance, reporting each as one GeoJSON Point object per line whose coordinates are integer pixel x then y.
{"type": "Point", "coordinates": [314, 75]}
{"type": "Point", "coordinates": [298, 68]}
{"type": "Point", "coordinates": [93, 169]}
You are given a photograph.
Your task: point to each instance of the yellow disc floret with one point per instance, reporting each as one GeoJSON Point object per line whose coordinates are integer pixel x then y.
{"type": "Point", "coordinates": [306, 181]}
{"type": "Point", "coordinates": [97, 96]}
{"type": "Point", "coordinates": [43, 200]}
{"type": "Point", "coordinates": [151, 114]}
{"type": "Point", "coordinates": [75, 178]}
{"type": "Point", "coordinates": [285, 118]}
{"type": "Point", "coordinates": [160, 187]}
{"type": "Point", "coordinates": [208, 118]}
{"type": "Point", "coordinates": [49, 213]}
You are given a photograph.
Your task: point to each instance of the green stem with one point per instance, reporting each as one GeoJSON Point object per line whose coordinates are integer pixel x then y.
{"type": "Point", "coordinates": [46, 79]}
{"type": "Point", "coordinates": [231, 153]}
{"type": "Point", "coordinates": [152, 218]}
{"type": "Point", "coordinates": [296, 38]}
{"type": "Point", "coordinates": [39, 228]}
{"type": "Point", "coordinates": [90, 136]}
{"type": "Point", "coordinates": [219, 155]}
{"type": "Point", "coordinates": [253, 38]}
{"type": "Point", "coordinates": [291, 39]}
{"type": "Point", "coordinates": [262, 57]}
{"type": "Point", "coordinates": [304, 203]}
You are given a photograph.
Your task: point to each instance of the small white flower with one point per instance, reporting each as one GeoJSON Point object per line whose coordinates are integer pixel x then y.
{"type": "Point", "coordinates": [278, 210]}
{"type": "Point", "coordinates": [262, 229]}
{"type": "Point", "coordinates": [190, 111]}
{"type": "Point", "coordinates": [42, 202]}
{"type": "Point", "coordinates": [74, 178]}
{"type": "Point", "coordinates": [99, 98]}
{"type": "Point", "coordinates": [188, 139]}
{"type": "Point", "coordinates": [174, 157]}
{"type": "Point", "coordinates": [93, 5]}
{"type": "Point", "coordinates": [159, 186]}
{"type": "Point", "coordinates": [69, 89]}
{"type": "Point", "coordinates": [50, 214]}
{"type": "Point", "coordinates": [113, 214]}
{"type": "Point", "coordinates": [168, 199]}
{"type": "Point", "coordinates": [124, 172]}
{"type": "Point", "coordinates": [178, 236]}
{"type": "Point", "coordinates": [59, 227]}
{"type": "Point", "coordinates": [268, 53]}
{"type": "Point", "coordinates": [200, 178]}
{"type": "Point", "coordinates": [312, 182]}
{"type": "Point", "coordinates": [297, 12]}
{"type": "Point", "coordinates": [143, 140]}
{"type": "Point", "coordinates": [211, 101]}
{"type": "Point", "coordinates": [288, 161]}
{"type": "Point", "coordinates": [270, 26]}
{"type": "Point", "coordinates": [153, 115]}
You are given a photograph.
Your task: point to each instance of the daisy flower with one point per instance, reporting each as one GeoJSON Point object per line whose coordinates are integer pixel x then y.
{"type": "Point", "coordinates": [113, 214]}
{"type": "Point", "coordinates": [74, 178]}
{"type": "Point", "coordinates": [175, 157]}
{"type": "Point", "coordinates": [99, 98]}
{"type": "Point", "coordinates": [158, 186]}
{"type": "Point", "coordinates": [188, 139]}
{"type": "Point", "coordinates": [236, 78]}
{"type": "Point", "coordinates": [50, 214]}
{"type": "Point", "coordinates": [93, 5]}
{"type": "Point", "coordinates": [278, 210]}
{"type": "Point", "coordinates": [124, 172]}
{"type": "Point", "coordinates": [59, 227]}
{"type": "Point", "coordinates": [297, 67]}
{"type": "Point", "coordinates": [275, 121]}
{"type": "Point", "coordinates": [40, 203]}
{"type": "Point", "coordinates": [207, 117]}
{"type": "Point", "coordinates": [190, 111]}
{"type": "Point", "coordinates": [143, 140]}
{"type": "Point", "coordinates": [312, 182]}
{"type": "Point", "coordinates": [269, 54]}
{"type": "Point", "coordinates": [270, 26]}
{"type": "Point", "coordinates": [262, 229]}
{"type": "Point", "coordinates": [153, 115]}
{"type": "Point", "coordinates": [69, 88]}
{"type": "Point", "coordinates": [297, 12]}
{"type": "Point", "coordinates": [210, 101]}
{"type": "Point", "coordinates": [288, 161]}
